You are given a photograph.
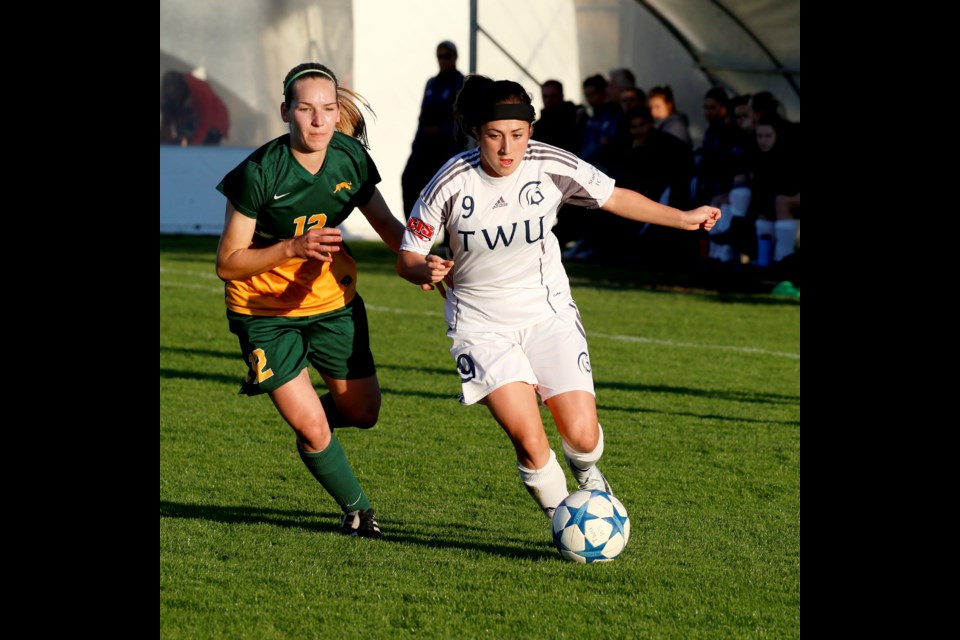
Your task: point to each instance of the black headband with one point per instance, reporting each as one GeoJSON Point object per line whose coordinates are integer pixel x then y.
{"type": "Point", "coordinates": [501, 111]}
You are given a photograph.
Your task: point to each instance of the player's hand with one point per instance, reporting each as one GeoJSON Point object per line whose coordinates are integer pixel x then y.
{"type": "Point", "coordinates": [318, 244]}
{"type": "Point", "coordinates": [700, 218]}
{"type": "Point", "coordinates": [438, 286]}
{"type": "Point", "coordinates": [713, 216]}
{"type": "Point", "coordinates": [438, 270]}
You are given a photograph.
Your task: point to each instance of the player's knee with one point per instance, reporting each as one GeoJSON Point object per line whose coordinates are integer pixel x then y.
{"type": "Point", "coordinates": [365, 417]}
{"type": "Point", "coordinates": [533, 448]}
{"type": "Point", "coordinates": [315, 436]}
{"type": "Point", "coordinates": [584, 439]}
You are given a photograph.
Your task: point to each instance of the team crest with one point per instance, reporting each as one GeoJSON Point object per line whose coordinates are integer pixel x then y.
{"type": "Point", "coordinates": [583, 362]}
{"type": "Point", "coordinates": [530, 194]}
{"type": "Point", "coordinates": [343, 185]}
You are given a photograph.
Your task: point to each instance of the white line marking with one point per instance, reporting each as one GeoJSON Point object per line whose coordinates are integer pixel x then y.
{"type": "Point", "coordinates": [186, 272]}
{"type": "Point", "coordinates": [633, 339]}
{"type": "Point", "coordinates": [439, 314]}
{"type": "Point", "coordinates": [183, 285]}
{"type": "Point", "coordinates": [694, 345]}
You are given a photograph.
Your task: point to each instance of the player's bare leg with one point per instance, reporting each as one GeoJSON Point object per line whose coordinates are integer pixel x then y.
{"type": "Point", "coordinates": [575, 413]}
{"type": "Point", "coordinates": [322, 454]}
{"type": "Point", "coordinates": [514, 407]}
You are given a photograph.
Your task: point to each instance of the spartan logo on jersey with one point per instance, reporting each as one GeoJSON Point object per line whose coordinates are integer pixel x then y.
{"type": "Point", "coordinates": [500, 203]}
{"type": "Point", "coordinates": [420, 228]}
{"type": "Point", "coordinates": [583, 361]}
{"type": "Point", "coordinates": [343, 185]}
{"type": "Point", "coordinates": [530, 194]}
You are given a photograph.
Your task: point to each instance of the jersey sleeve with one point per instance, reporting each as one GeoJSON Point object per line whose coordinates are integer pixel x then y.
{"type": "Point", "coordinates": [422, 229]}
{"type": "Point", "coordinates": [369, 179]}
{"type": "Point", "coordinates": [245, 188]}
{"type": "Point", "coordinates": [588, 187]}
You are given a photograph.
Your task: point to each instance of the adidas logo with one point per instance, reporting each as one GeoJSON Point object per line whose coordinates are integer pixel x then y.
{"type": "Point", "coordinates": [500, 203]}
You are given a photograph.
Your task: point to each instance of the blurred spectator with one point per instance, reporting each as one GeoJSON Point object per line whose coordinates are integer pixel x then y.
{"type": "Point", "coordinates": [191, 113]}
{"type": "Point", "coordinates": [657, 162]}
{"type": "Point", "coordinates": [558, 118]}
{"type": "Point", "coordinates": [765, 106]}
{"type": "Point", "coordinates": [597, 136]}
{"type": "Point", "coordinates": [776, 192]}
{"type": "Point", "coordinates": [597, 132]}
{"type": "Point", "coordinates": [435, 141]}
{"type": "Point", "coordinates": [620, 79]}
{"type": "Point", "coordinates": [721, 156]}
{"type": "Point", "coordinates": [631, 97]}
{"type": "Point", "coordinates": [660, 167]}
{"type": "Point", "coordinates": [664, 110]}
{"type": "Point", "coordinates": [742, 113]}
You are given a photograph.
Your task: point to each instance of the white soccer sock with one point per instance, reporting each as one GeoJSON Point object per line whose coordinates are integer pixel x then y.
{"type": "Point", "coordinates": [785, 236]}
{"type": "Point", "coordinates": [581, 462]}
{"type": "Point", "coordinates": [547, 486]}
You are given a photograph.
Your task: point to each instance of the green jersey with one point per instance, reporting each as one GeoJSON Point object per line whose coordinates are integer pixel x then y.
{"type": "Point", "coordinates": [286, 200]}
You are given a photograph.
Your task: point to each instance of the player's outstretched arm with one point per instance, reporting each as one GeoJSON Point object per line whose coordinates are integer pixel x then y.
{"type": "Point", "coordinates": [635, 206]}
{"type": "Point", "coordinates": [379, 216]}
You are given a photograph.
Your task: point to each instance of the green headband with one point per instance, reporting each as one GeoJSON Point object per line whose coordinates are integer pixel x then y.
{"type": "Point", "coordinates": [286, 87]}
{"type": "Point", "coordinates": [502, 111]}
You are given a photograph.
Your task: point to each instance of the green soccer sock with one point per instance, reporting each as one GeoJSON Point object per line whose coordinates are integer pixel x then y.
{"type": "Point", "coordinates": [333, 472]}
{"type": "Point", "coordinates": [334, 417]}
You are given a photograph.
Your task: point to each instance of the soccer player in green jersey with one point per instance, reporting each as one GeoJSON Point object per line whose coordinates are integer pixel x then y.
{"type": "Point", "coordinates": [291, 282]}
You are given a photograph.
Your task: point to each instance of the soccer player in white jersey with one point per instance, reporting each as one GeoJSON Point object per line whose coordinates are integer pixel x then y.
{"type": "Point", "coordinates": [516, 332]}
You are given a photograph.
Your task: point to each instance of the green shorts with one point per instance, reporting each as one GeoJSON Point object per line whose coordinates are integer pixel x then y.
{"type": "Point", "coordinates": [277, 349]}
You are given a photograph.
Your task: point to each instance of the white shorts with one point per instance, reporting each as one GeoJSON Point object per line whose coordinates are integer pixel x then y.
{"type": "Point", "coordinates": [551, 355]}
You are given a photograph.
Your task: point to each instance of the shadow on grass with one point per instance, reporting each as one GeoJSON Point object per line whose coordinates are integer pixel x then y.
{"type": "Point", "coordinates": [732, 396]}
{"type": "Point", "coordinates": [181, 374]}
{"type": "Point", "coordinates": [452, 394]}
{"type": "Point", "coordinates": [701, 416]}
{"type": "Point", "coordinates": [311, 521]}
{"type": "Point", "coordinates": [232, 355]}
{"type": "Point", "coordinates": [445, 371]}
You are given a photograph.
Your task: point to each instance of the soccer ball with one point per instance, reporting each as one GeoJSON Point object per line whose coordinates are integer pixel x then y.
{"type": "Point", "coordinates": [590, 526]}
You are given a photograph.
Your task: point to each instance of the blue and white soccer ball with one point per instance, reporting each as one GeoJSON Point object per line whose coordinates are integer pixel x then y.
{"type": "Point", "coordinates": [590, 526]}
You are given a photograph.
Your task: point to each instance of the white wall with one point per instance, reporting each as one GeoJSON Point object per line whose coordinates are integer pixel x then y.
{"type": "Point", "coordinates": [247, 46]}
{"type": "Point", "coordinates": [395, 55]}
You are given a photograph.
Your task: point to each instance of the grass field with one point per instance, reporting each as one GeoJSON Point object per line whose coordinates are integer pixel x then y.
{"type": "Point", "coordinates": [699, 397]}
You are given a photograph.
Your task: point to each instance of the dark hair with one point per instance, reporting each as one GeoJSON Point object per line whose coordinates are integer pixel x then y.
{"type": "Point", "coordinates": [664, 92]}
{"type": "Point", "coordinates": [351, 121]}
{"type": "Point", "coordinates": [740, 100]}
{"type": "Point", "coordinates": [478, 94]}
{"type": "Point", "coordinates": [764, 102]}
{"type": "Point", "coordinates": [623, 77]}
{"type": "Point", "coordinates": [639, 111]}
{"type": "Point", "coordinates": [596, 81]}
{"type": "Point", "coordinates": [774, 121]}
{"type": "Point", "coordinates": [641, 95]}
{"type": "Point", "coordinates": [718, 94]}
{"type": "Point", "coordinates": [553, 83]}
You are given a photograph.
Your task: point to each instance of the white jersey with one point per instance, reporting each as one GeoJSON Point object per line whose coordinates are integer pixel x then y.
{"type": "Point", "coordinates": [507, 273]}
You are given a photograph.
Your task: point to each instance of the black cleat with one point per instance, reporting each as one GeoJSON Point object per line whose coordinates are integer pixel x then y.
{"type": "Point", "coordinates": [361, 524]}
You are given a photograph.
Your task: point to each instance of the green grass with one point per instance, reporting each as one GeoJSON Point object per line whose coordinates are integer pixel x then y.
{"type": "Point", "coordinates": [699, 397]}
